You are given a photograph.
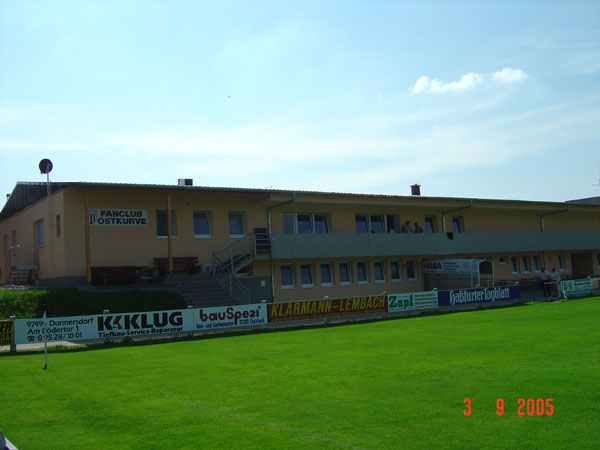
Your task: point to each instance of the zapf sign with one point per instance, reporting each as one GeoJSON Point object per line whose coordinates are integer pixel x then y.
{"type": "Point", "coordinates": [118, 217]}
{"type": "Point", "coordinates": [144, 324]}
{"type": "Point", "coordinates": [230, 317]}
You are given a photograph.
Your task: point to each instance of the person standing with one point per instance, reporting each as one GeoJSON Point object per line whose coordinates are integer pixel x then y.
{"type": "Point", "coordinates": [418, 228]}
{"type": "Point", "coordinates": [544, 278]}
{"type": "Point", "coordinates": [555, 278]}
{"type": "Point", "coordinates": [406, 227]}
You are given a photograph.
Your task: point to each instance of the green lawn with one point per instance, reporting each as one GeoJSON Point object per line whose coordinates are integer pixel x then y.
{"type": "Point", "coordinates": [389, 384]}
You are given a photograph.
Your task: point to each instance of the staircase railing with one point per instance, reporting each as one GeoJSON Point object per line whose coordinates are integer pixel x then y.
{"type": "Point", "coordinates": [227, 280]}
{"type": "Point", "coordinates": [23, 257]}
{"type": "Point", "coordinates": [226, 263]}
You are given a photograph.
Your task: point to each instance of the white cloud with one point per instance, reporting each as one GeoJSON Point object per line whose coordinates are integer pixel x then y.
{"type": "Point", "coordinates": [466, 82]}
{"type": "Point", "coordinates": [422, 84]}
{"type": "Point", "coordinates": [509, 75]}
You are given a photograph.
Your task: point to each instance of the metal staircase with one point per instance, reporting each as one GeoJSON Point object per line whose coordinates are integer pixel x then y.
{"type": "Point", "coordinates": [201, 290]}
{"type": "Point", "coordinates": [21, 261]}
{"type": "Point", "coordinates": [227, 263]}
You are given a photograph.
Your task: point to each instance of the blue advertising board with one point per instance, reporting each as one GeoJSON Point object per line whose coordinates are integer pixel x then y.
{"type": "Point", "coordinates": [478, 295]}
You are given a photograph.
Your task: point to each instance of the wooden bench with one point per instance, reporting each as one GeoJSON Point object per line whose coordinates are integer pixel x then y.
{"type": "Point", "coordinates": [109, 275]}
{"type": "Point", "coordinates": [181, 264]}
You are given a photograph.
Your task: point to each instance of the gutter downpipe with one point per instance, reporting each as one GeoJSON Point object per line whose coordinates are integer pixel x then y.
{"type": "Point", "coordinates": [550, 213]}
{"type": "Point", "coordinates": [454, 210]}
{"type": "Point", "coordinates": [286, 202]}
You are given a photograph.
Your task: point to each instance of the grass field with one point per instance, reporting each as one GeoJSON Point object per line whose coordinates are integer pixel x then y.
{"type": "Point", "coordinates": [388, 384]}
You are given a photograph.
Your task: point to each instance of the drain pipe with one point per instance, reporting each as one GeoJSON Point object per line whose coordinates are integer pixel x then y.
{"type": "Point", "coordinates": [454, 210]}
{"type": "Point", "coordinates": [286, 202]}
{"type": "Point", "coordinates": [550, 213]}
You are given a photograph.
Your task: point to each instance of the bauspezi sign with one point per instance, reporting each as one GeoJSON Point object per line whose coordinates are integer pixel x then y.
{"type": "Point", "coordinates": [230, 316]}
{"type": "Point", "coordinates": [118, 217]}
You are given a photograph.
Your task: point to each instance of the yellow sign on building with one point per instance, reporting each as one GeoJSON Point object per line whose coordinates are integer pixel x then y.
{"type": "Point", "coordinates": [7, 332]}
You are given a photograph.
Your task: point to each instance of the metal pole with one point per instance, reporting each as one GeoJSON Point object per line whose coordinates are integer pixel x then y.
{"type": "Point", "coordinates": [169, 232]}
{"type": "Point", "coordinates": [45, 340]}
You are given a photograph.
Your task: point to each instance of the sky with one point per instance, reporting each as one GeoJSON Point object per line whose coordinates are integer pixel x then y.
{"type": "Point", "coordinates": [483, 99]}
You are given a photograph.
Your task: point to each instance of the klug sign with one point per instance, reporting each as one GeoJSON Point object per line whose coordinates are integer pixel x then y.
{"type": "Point", "coordinates": [140, 324]}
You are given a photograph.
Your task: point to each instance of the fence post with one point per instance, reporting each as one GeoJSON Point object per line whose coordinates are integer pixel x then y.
{"type": "Point", "coordinates": [105, 313]}
{"type": "Point", "coordinates": [13, 346]}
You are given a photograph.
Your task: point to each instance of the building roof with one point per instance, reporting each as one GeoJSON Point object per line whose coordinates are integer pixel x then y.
{"type": "Point", "coordinates": [586, 201]}
{"type": "Point", "coordinates": [27, 193]}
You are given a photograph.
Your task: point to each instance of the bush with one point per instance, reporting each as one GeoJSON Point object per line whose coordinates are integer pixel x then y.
{"type": "Point", "coordinates": [72, 302]}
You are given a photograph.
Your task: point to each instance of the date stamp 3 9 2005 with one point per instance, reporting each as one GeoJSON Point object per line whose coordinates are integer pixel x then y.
{"type": "Point", "coordinates": [525, 407]}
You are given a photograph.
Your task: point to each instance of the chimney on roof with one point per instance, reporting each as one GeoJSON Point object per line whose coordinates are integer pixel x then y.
{"type": "Point", "coordinates": [415, 189]}
{"type": "Point", "coordinates": [185, 182]}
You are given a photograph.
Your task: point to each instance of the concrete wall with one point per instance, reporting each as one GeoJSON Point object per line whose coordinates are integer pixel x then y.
{"type": "Point", "coordinates": [52, 254]}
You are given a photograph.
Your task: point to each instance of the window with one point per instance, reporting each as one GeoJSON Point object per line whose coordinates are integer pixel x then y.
{"type": "Point", "coordinates": [201, 224]}
{"type": "Point", "coordinates": [396, 267]}
{"type": "Point", "coordinates": [377, 224]}
{"type": "Point", "coordinates": [525, 264]}
{"type": "Point", "coordinates": [598, 259]}
{"type": "Point", "coordinates": [345, 274]}
{"type": "Point", "coordinates": [362, 272]}
{"type": "Point", "coordinates": [561, 263]}
{"type": "Point", "coordinates": [39, 233]}
{"type": "Point", "coordinates": [362, 225]}
{"type": "Point", "coordinates": [306, 275]}
{"type": "Point", "coordinates": [326, 279]}
{"type": "Point", "coordinates": [536, 263]}
{"type": "Point", "coordinates": [502, 260]}
{"type": "Point", "coordinates": [391, 221]}
{"type": "Point", "coordinates": [288, 223]}
{"type": "Point", "coordinates": [457, 224]}
{"type": "Point", "coordinates": [161, 223]}
{"type": "Point", "coordinates": [237, 226]}
{"type": "Point", "coordinates": [379, 268]}
{"type": "Point", "coordinates": [305, 223]}
{"type": "Point", "coordinates": [430, 224]}
{"type": "Point", "coordinates": [57, 225]}
{"type": "Point", "coordinates": [321, 223]}
{"type": "Point", "coordinates": [411, 271]}
{"type": "Point", "coordinates": [514, 262]}
{"type": "Point", "coordinates": [287, 276]}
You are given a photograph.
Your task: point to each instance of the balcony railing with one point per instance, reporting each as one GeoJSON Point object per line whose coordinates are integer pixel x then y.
{"type": "Point", "coordinates": [23, 257]}
{"type": "Point", "coordinates": [340, 245]}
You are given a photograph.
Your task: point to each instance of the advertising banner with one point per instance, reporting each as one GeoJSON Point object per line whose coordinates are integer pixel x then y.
{"type": "Point", "coordinates": [452, 266]}
{"type": "Point", "coordinates": [7, 335]}
{"type": "Point", "coordinates": [101, 326]}
{"type": "Point", "coordinates": [230, 316]}
{"type": "Point", "coordinates": [415, 300]}
{"type": "Point", "coordinates": [118, 217]}
{"type": "Point", "coordinates": [314, 309]}
{"type": "Point", "coordinates": [479, 295]}
{"type": "Point", "coordinates": [578, 286]}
